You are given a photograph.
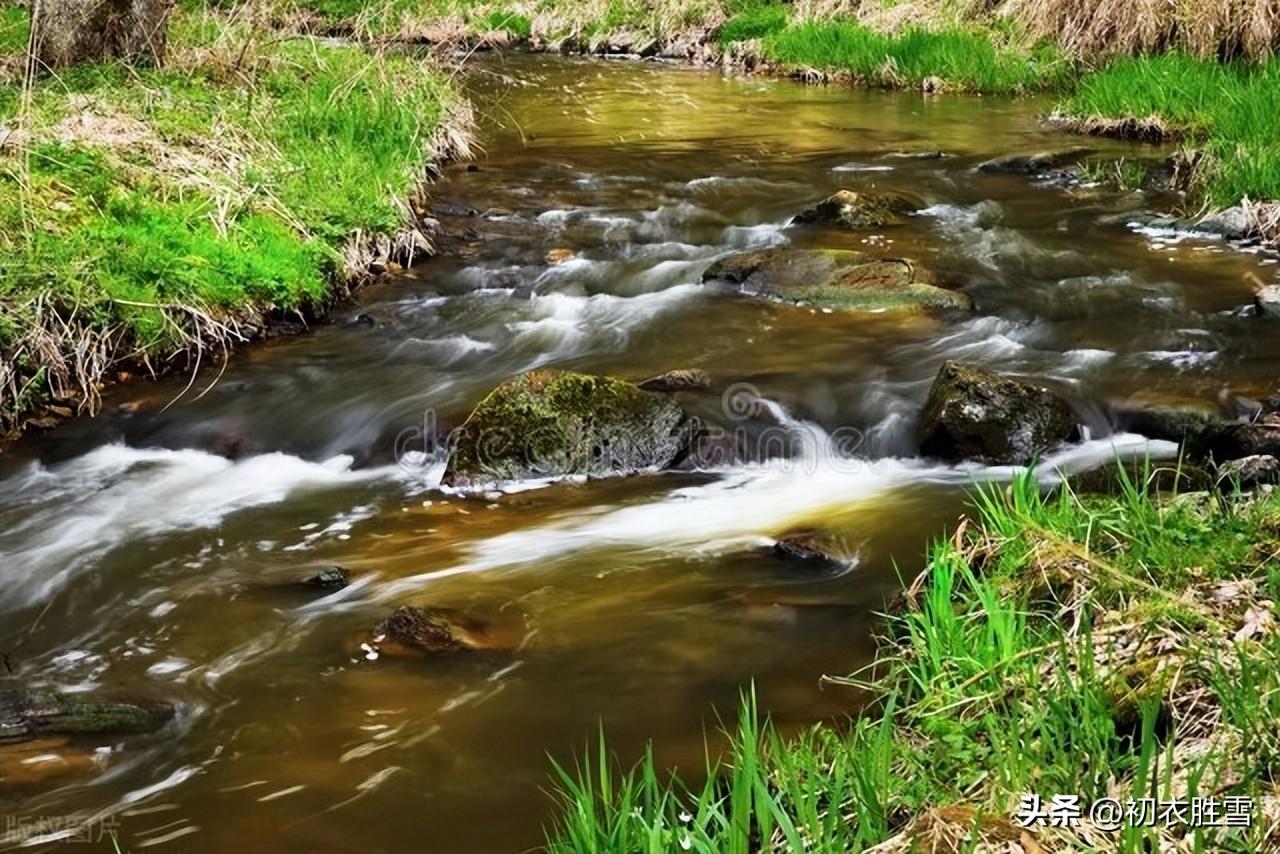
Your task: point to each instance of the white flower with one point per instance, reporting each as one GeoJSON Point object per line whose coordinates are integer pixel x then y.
{"type": "Point", "coordinates": [685, 817]}
{"type": "Point", "coordinates": [686, 842]}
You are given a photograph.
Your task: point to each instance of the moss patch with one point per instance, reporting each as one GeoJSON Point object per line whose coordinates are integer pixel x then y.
{"type": "Point", "coordinates": [555, 423]}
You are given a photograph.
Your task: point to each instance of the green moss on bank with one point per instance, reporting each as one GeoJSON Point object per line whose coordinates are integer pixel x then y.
{"type": "Point", "coordinates": [141, 209]}
{"type": "Point", "coordinates": [1113, 647]}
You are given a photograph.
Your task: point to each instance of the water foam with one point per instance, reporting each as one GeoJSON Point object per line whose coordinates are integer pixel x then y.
{"type": "Point", "coordinates": [115, 494]}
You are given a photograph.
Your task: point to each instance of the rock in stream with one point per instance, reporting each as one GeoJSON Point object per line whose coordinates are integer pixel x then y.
{"type": "Point", "coordinates": [27, 713]}
{"type": "Point", "coordinates": [853, 210]}
{"type": "Point", "coordinates": [835, 280]}
{"type": "Point", "coordinates": [410, 631]}
{"type": "Point", "coordinates": [975, 414]}
{"type": "Point", "coordinates": [556, 423]}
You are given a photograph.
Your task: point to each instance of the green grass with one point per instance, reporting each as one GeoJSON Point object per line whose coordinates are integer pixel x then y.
{"type": "Point", "coordinates": [519, 26]}
{"type": "Point", "coordinates": [202, 186]}
{"type": "Point", "coordinates": [962, 59]}
{"type": "Point", "coordinates": [14, 28]}
{"type": "Point", "coordinates": [1026, 664]}
{"type": "Point", "coordinates": [1232, 110]}
{"type": "Point", "coordinates": [754, 20]}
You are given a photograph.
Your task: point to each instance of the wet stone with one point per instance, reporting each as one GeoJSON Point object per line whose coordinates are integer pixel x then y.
{"type": "Point", "coordinates": [854, 210]}
{"type": "Point", "coordinates": [329, 578]}
{"type": "Point", "coordinates": [836, 280]}
{"type": "Point", "coordinates": [30, 712]}
{"type": "Point", "coordinates": [680, 380]}
{"type": "Point", "coordinates": [810, 549]}
{"type": "Point", "coordinates": [1248, 473]}
{"type": "Point", "coordinates": [557, 423]}
{"type": "Point", "coordinates": [975, 414]}
{"type": "Point", "coordinates": [1034, 163]}
{"type": "Point", "coordinates": [414, 631]}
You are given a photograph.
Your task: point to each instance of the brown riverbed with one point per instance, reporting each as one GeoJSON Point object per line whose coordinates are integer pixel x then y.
{"type": "Point", "coordinates": [157, 546]}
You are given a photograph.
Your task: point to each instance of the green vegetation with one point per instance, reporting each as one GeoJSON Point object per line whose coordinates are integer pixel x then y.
{"type": "Point", "coordinates": [754, 20]}
{"type": "Point", "coordinates": [1232, 109]}
{"type": "Point", "coordinates": [1119, 646]}
{"type": "Point", "coordinates": [146, 211]}
{"type": "Point", "coordinates": [959, 58]}
{"type": "Point", "coordinates": [13, 29]}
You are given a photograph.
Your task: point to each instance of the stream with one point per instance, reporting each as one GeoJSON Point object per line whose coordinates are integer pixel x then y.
{"type": "Point", "coordinates": [155, 549]}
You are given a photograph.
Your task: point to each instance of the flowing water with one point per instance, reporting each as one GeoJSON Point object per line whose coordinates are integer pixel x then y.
{"type": "Point", "coordinates": [152, 550]}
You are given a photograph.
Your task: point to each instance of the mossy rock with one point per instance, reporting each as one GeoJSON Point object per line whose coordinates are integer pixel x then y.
{"type": "Point", "coordinates": [1035, 163]}
{"type": "Point", "coordinates": [1201, 432]}
{"type": "Point", "coordinates": [414, 631]}
{"type": "Point", "coordinates": [28, 713]}
{"type": "Point", "coordinates": [858, 211]}
{"type": "Point", "coordinates": [975, 414]}
{"type": "Point", "coordinates": [781, 269]}
{"type": "Point", "coordinates": [557, 423]}
{"type": "Point", "coordinates": [1112, 478]}
{"type": "Point", "coordinates": [1192, 427]}
{"type": "Point", "coordinates": [836, 280]}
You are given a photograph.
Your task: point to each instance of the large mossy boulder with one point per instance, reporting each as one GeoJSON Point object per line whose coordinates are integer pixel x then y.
{"type": "Point", "coordinates": [857, 211]}
{"type": "Point", "coordinates": [558, 423]}
{"type": "Point", "coordinates": [974, 414]}
{"type": "Point", "coordinates": [33, 712]}
{"type": "Point", "coordinates": [835, 280]}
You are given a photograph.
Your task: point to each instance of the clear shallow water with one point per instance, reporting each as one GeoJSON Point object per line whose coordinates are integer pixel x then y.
{"type": "Point", "coordinates": [156, 545]}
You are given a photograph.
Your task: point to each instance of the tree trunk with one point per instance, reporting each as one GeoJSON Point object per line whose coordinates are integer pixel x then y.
{"type": "Point", "coordinates": [67, 32]}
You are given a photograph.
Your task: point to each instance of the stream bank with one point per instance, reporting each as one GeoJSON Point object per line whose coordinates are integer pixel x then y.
{"type": "Point", "coordinates": [156, 219]}
{"type": "Point", "coordinates": [1068, 673]}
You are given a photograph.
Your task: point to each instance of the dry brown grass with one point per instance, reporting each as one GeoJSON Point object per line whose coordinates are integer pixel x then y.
{"type": "Point", "coordinates": [1264, 220]}
{"type": "Point", "coordinates": [1093, 28]}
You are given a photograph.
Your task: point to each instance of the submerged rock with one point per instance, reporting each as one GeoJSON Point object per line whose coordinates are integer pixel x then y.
{"type": "Point", "coordinates": [1035, 163]}
{"type": "Point", "coordinates": [43, 760]}
{"type": "Point", "coordinates": [681, 380]}
{"type": "Point", "coordinates": [835, 280]}
{"type": "Point", "coordinates": [556, 423]}
{"type": "Point", "coordinates": [1231, 223]}
{"type": "Point", "coordinates": [1203, 433]}
{"type": "Point", "coordinates": [927, 154]}
{"type": "Point", "coordinates": [1249, 472]}
{"type": "Point", "coordinates": [414, 631]}
{"type": "Point", "coordinates": [31, 712]}
{"type": "Point", "coordinates": [1116, 477]}
{"type": "Point", "coordinates": [1194, 428]}
{"type": "Point", "coordinates": [811, 549]}
{"type": "Point", "coordinates": [1236, 441]}
{"type": "Point", "coordinates": [973, 413]}
{"type": "Point", "coordinates": [329, 578]}
{"type": "Point", "coordinates": [849, 209]}
{"type": "Point", "coordinates": [1267, 300]}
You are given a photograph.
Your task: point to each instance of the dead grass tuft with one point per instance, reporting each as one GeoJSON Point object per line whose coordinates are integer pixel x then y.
{"type": "Point", "coordinates": [1151, 128]}
{"type": "Point", "coordinates": [1095, 28]}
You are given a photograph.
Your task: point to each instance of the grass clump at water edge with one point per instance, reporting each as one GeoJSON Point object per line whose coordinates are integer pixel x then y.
{"type": "Point", "coordinates": [962, 59]}
{"type": "Point", "coordinates": [1232, 110]}
{"type": "Point", "coordinates": [1117, 647]}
